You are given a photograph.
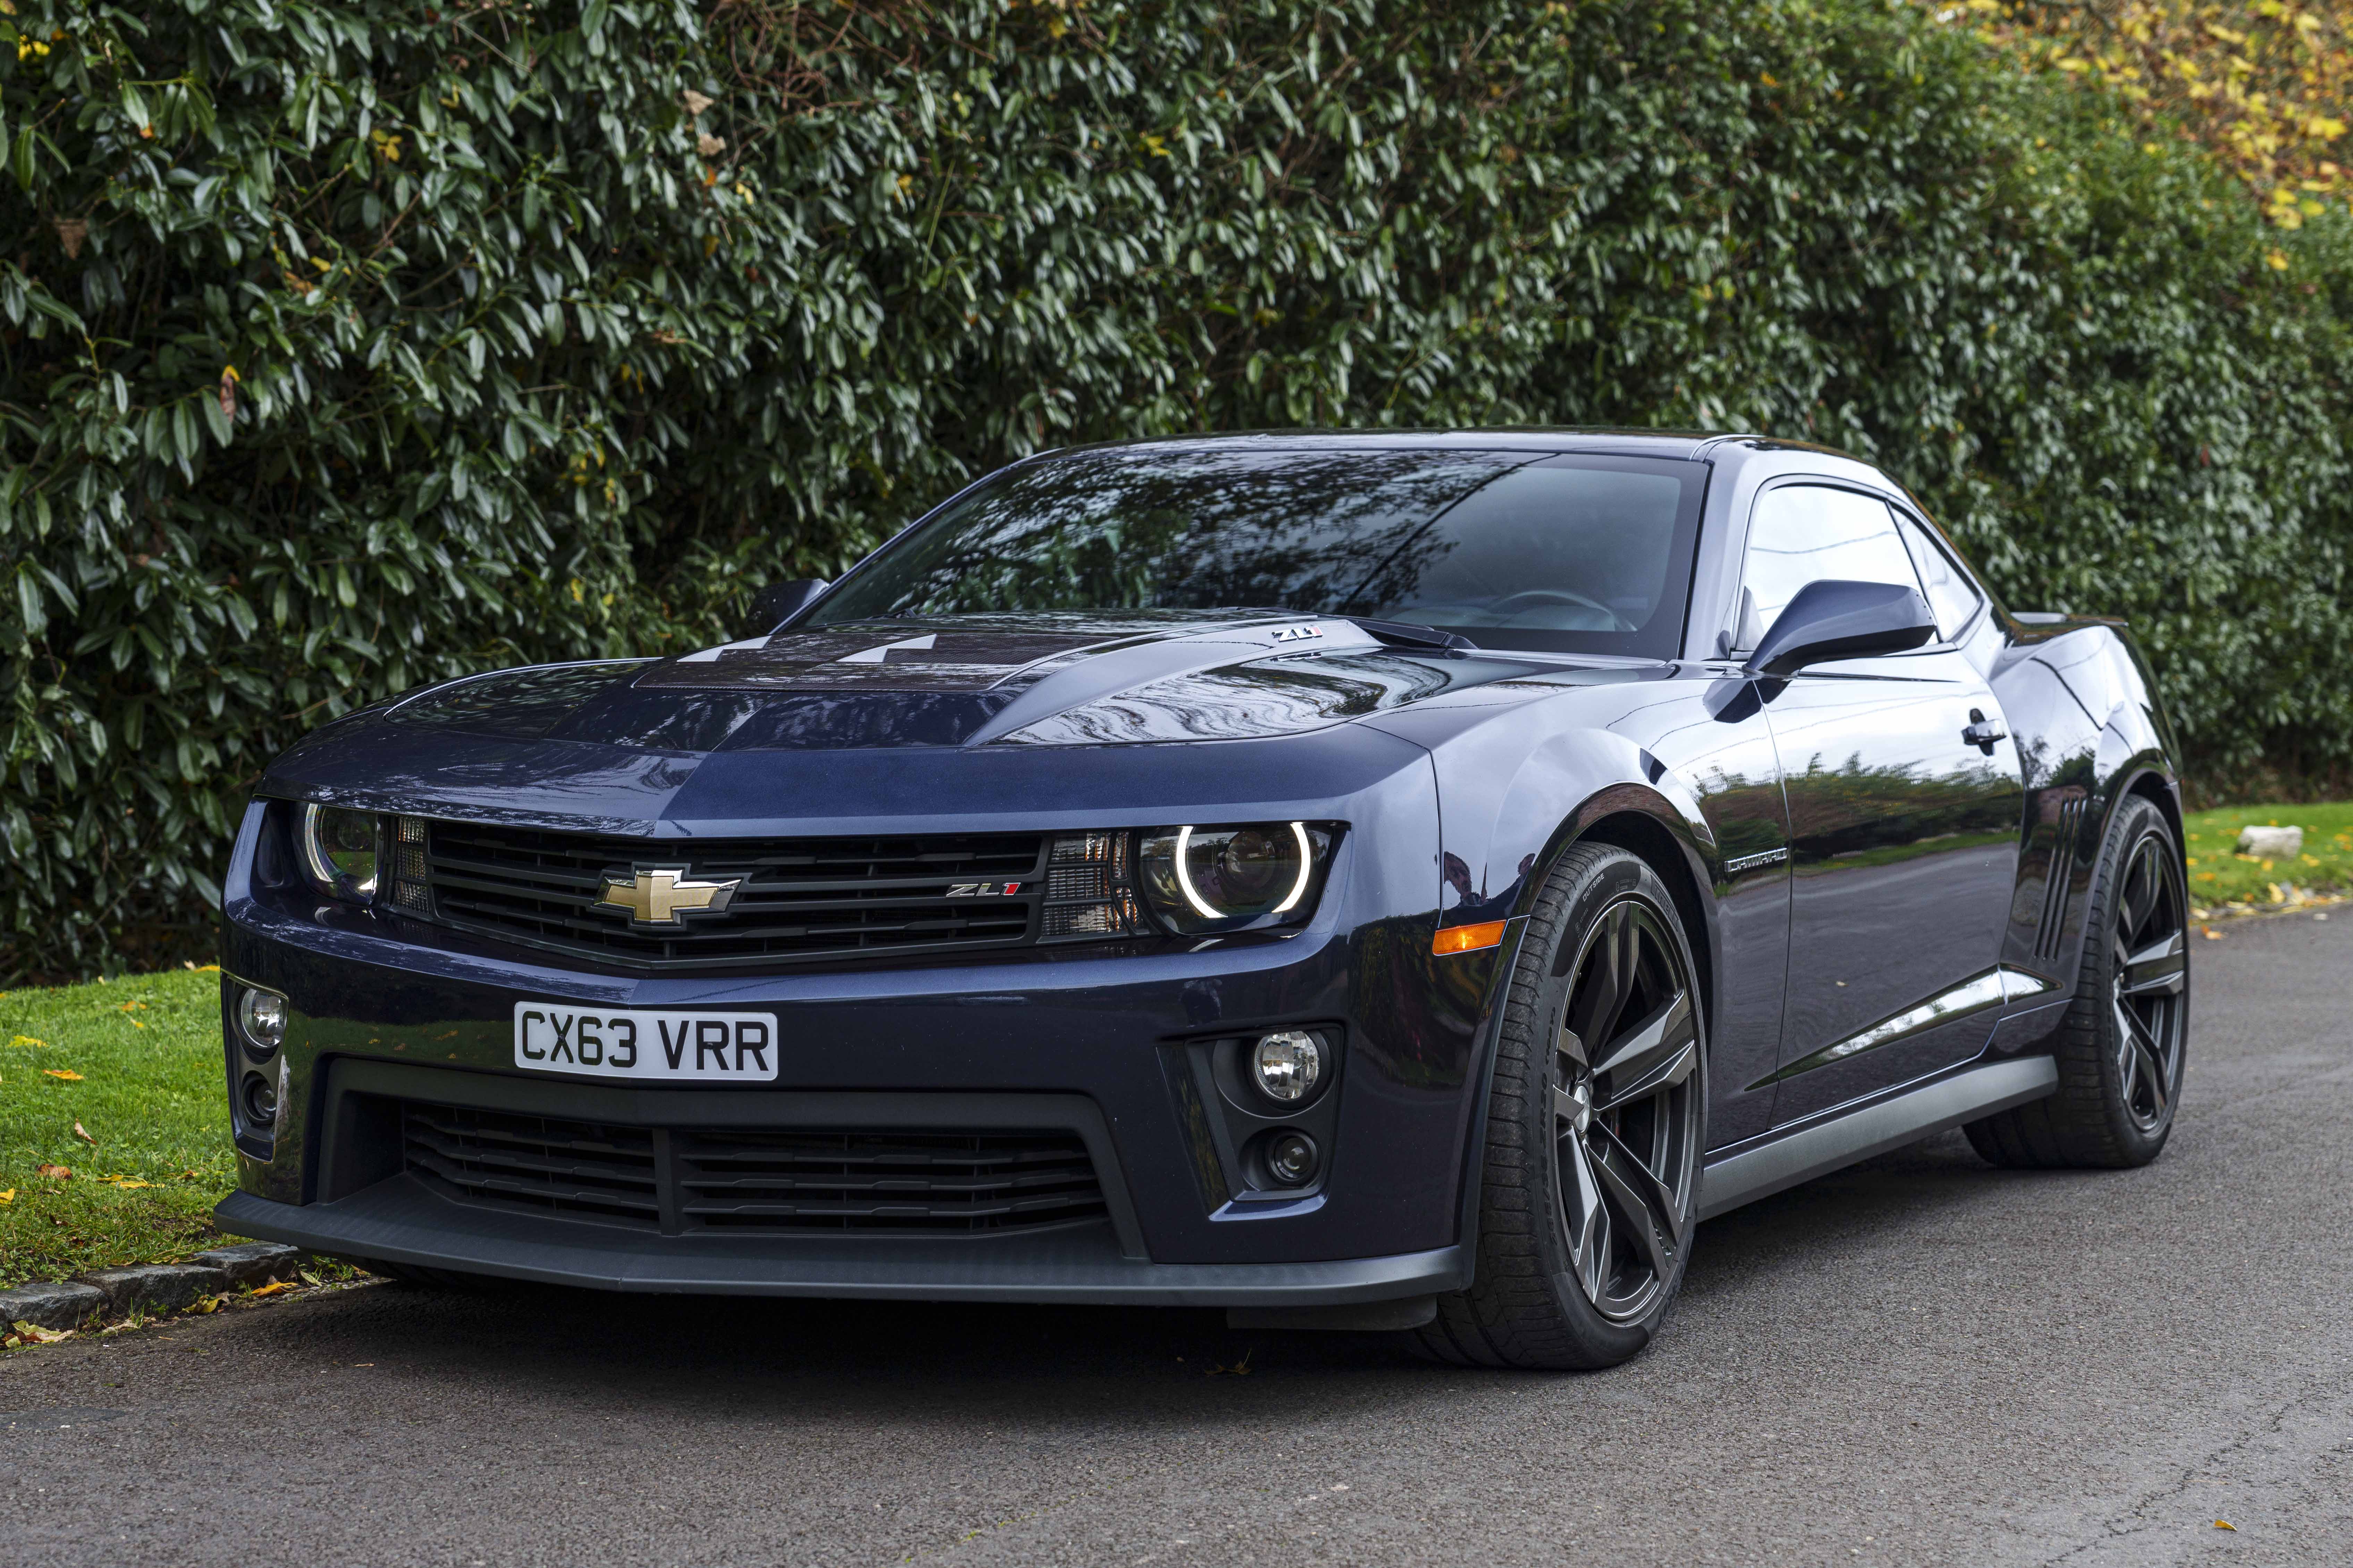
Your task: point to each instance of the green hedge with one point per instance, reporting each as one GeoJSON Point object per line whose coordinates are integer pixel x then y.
{"type": "Point", "coordinates": [349, 345]}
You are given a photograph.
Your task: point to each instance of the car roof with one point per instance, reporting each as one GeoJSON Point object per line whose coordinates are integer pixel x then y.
{"type": "Point", "coordinates": [1553, 438]}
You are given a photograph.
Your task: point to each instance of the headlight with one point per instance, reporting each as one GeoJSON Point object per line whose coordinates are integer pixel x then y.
{"type": "Point", "coordinates": [1263, 874]}
{"type": "Point", "coordinates": [339, 851]}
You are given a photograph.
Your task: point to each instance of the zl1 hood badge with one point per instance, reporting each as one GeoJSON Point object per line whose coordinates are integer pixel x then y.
{"type": "Point", "coordinates": [665, 897]}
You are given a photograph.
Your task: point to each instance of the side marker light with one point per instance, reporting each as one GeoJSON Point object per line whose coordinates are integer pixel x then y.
{"type": "Point", "coordinates": [1468, 938]}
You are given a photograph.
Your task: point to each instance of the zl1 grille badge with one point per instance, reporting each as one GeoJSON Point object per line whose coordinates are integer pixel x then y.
{"type": "Point", "coordinates": [983, 889]}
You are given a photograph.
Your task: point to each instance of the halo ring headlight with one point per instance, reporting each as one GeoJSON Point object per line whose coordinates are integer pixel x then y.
{"type": "Point", "coordinates": [339, 850]}
{"type": "Point", "coordinates": [1200, 879]}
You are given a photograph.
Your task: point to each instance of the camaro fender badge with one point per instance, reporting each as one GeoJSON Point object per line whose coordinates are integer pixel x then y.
{"type": "Point", "coordinates": [1755, 862]}
{"type": "Point", "coordinates": [1296, 634]}
{"type": "Point", "coordinates": [983, 889]}
{"type": "Point", "coordinates": [664, 896]}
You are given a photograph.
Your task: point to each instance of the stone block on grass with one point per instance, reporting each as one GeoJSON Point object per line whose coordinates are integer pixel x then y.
{"type": "Point", "coordinates": [253, 1262]}
{"type": "Point", "coordinates": [52, 1304]}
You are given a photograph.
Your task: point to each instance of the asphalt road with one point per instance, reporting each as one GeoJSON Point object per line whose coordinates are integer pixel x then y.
{"type": "Point", "coordinates": [1923, 1361]}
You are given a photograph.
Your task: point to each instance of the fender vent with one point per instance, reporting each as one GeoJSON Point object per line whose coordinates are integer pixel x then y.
{"type": "Point", "coordinates": [2062, 871]}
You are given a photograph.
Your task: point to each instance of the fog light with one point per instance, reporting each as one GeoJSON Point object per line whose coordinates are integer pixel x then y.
{"type": "Point", "coordinates": [1291, 1159]}
{"type": "Point", "coordinates": [1288, 1066]}
{"type": "Point", "coordinates": [261, 1018]}
{"type": "Point", "coordinates": [260, 1103]}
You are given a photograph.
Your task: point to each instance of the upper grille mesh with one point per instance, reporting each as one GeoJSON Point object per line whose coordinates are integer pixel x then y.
{"type": "Point", "coordinates": [796, 898]}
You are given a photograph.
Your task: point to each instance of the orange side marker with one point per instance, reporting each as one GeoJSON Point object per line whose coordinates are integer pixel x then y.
{"type": "Point", "coordinates": [1468, 938]}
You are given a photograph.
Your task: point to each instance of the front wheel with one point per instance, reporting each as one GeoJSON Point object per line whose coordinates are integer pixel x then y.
{"type": "Point", "coordinates": [1589, 1190]}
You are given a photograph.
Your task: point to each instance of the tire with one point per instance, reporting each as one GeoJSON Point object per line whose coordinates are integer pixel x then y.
{"type": "Point", "coordinates": [2125, 1041]}
{"type": "Point", "coordinates": [1596, 1118]}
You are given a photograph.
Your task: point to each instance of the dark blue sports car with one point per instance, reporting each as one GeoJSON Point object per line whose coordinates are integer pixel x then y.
{"type": "Point", "coordinates": [1377, 881]}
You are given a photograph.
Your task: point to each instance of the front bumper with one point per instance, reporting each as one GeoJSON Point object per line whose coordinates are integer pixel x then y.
{"type": "Point", "coordinates": [1103, 1045]}
{"type": "Point", "coordinates": [399, 1221]}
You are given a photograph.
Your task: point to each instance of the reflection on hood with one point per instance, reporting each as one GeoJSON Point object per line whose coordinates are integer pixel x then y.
{"type": "Point", "coordinates": [1026, 681]}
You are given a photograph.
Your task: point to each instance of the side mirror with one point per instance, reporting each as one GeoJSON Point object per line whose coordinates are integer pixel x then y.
{"type": "Point", "coordinates": [1832, 619]}
{"type": "Point", "coordinates": [779, 602]}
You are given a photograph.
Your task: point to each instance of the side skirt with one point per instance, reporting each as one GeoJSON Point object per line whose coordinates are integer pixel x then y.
{"type": "Point", "coordinates": [1876, 1127]}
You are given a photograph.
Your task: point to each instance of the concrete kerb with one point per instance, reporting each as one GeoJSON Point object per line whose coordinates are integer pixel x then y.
{"type": "Point", "coordinates": [61, 1304]}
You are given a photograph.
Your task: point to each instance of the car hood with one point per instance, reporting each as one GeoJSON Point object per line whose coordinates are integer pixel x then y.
{"type": "Point", "coordinates": [890, 707]}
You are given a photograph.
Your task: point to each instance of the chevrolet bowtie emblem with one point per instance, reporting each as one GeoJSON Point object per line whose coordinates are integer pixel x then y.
{"type": "Point", "coordinates": [664, 897]}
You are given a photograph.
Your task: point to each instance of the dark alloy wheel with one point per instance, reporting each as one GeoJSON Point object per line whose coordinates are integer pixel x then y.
{"type": "Point", "coordinates": [2122, 1048]}
{"type": "Point", "coordinates": [1591, 1186]}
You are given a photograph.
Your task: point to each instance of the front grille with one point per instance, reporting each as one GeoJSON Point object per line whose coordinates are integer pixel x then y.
{"type": "Point", "coordinates": [794, 898]}
{"type": "Point", "coordinates": [765, 1182]}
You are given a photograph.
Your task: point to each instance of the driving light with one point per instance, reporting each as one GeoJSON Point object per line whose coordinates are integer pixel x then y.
{"type": "Point", "coordinates": [1287, 1066]}
{"type": "Point", "coordinates": [261, 1102]}
{"type": "Point", "coordinates": [339, 851]}
{"type": "Point", "coordinates": [1199, 880]}
{"type": "Point", "coordinates": [1291, 1159]}
{"type": "Point", "coordinates": [261, 1018]}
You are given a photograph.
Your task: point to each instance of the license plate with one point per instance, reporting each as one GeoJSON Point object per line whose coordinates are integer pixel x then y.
{"type": "Point", "coordinates": [640, 1043]}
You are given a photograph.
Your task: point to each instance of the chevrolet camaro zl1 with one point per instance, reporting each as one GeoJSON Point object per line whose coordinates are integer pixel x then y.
{"type": "Point", "coordinates": [1378, 881]}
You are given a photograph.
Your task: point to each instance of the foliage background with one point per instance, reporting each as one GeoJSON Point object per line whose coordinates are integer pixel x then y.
{"type": "Point", "coordinates": [344, 346]}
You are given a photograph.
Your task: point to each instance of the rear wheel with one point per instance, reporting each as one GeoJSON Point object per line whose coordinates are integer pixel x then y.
{"type": "Point", "coordinates": [1589, 1189]}
{"type": "Point", "coordinates": [2123, 1047]}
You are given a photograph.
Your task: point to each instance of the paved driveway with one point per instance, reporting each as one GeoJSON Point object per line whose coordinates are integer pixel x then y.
{"type": "Point", "coordinates": [1923, 1361]}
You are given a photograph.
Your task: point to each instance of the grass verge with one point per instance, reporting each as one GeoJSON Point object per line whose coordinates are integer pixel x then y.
{"type": "Point", "coordinates": [2223, 881]}
{"type": "Point", "coordinates": [119, 1083]}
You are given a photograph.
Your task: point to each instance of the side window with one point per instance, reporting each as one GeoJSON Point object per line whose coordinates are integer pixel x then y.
{"type": "Point", "coordinates": [1951, 596]}
{"type": "Point", "coordinates": [1807, 533]}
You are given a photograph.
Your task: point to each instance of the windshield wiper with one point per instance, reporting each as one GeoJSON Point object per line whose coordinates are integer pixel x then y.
{"type": "Point", "coordinates": [1407, 633]}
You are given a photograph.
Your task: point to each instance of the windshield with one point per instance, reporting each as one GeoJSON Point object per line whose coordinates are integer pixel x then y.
{"type": "Point", "coordinates": [1582, 554]}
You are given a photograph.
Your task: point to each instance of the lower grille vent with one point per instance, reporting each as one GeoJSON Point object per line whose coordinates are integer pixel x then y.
{"type": "Point", "coordinates": [754, 1182]}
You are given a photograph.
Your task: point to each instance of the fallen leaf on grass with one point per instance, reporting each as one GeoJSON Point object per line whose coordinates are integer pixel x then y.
{"type": "Point", "coordinates": [271, 1288]}
{"type": "Point", "coordinates": [9, 1196]}
{"type": "Point", "coordinates": [55, 1172]}
{"type": "Point", "coordinates": [68, 1074]}
{"type": "Point", "coordinates": [125, 1184]}
{"type": "Point", "coordinates": [83, 1133]}
{"type": "Point", "coordinates": [28, 1040]}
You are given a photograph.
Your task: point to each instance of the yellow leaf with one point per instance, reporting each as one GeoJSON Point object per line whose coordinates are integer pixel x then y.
{"type": "Point", "coordinates": [9, 1196]}
{"type": "Point", "coordinates": [41, 1336]}
{"type": "Point", "coordinates": [28, 1040]}
{"type": "Point", "coordinates": [272, 1288]}
{"type": "Point", "coordinates": [66, 1073]}
{"type": "Point", "coordinates": [2278, 260]}
{"type": "Point", "coordinates": [2226, 1524]}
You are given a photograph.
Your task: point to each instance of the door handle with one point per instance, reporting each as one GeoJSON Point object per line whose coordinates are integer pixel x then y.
{"type": "Point", "coordinates": [1982, 733]}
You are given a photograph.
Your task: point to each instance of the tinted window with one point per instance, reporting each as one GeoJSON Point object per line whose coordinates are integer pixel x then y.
{"type": "Point", "coordinates": [1810, 533]}
{"type": "Point", "coordinates": [1951, 596]}
{"type": "Point", "coordinates": [1582, 554]}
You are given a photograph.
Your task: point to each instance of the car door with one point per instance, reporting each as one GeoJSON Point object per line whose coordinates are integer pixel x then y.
{"type": "Point", "coordinates": [1904, 801]}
